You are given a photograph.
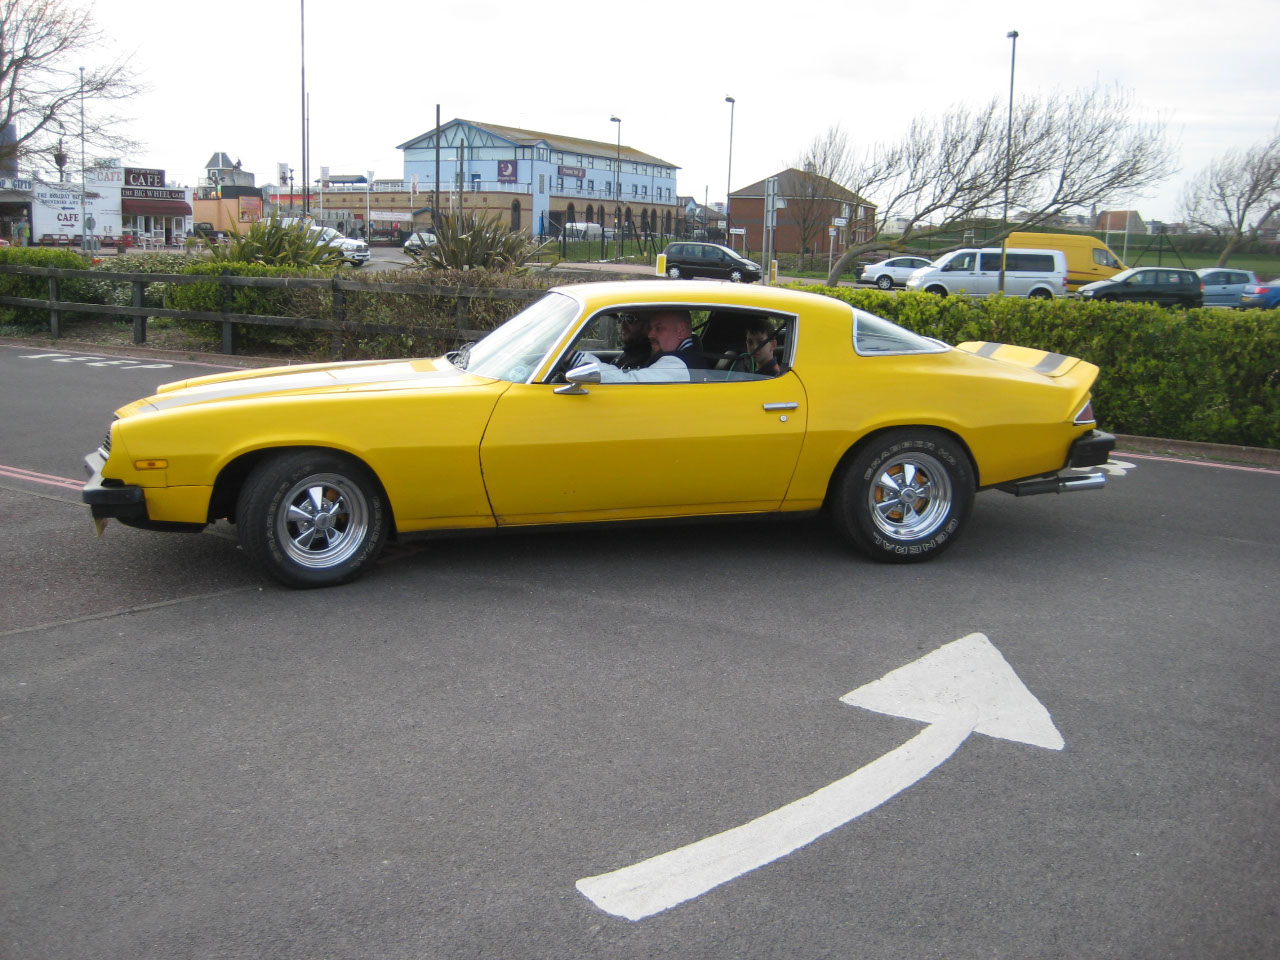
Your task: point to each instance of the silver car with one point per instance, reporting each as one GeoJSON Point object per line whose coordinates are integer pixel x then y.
{"type": "Point", "coordinates": [1223, 287]}
{"type": "Point", "coordinates": [893, 272]}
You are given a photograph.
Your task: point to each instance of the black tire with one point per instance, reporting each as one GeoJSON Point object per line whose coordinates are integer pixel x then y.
{"type": "Point", "coordinates": [1040, 295]}
{"type": "Point", "coordinates": [885, 282]}
{"type": "Point", "coordinates": [735, 276]}
{"type": "Point", "coordinates": [937, 291]}
{"type": "Point", "coordinates": [312, 518]}
{"type": "Point", "coordinates": [673, 272]}
{"type": "Point", "coordinates": [905, 496]}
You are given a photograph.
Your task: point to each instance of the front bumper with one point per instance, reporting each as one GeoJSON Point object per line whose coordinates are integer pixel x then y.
{"type": "Point", "coordinates": [109, 499]}
{"type": "Point", "coordinates": [113, 500]}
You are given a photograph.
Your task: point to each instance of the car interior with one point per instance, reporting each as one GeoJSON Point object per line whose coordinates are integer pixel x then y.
{"type": "Point", "coordinates": [721, 331]}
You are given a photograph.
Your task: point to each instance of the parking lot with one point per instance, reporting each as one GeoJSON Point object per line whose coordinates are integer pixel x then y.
{"type": "Point", "coordinates": [436, 760]}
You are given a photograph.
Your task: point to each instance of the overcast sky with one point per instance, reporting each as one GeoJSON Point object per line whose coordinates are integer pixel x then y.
{"type": "Point", "coordinates": [225, 75]}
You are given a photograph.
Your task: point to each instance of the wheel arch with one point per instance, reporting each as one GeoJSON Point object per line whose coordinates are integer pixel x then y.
{"type": "Point", "coordinates": [231, 479]}
{"type": "Point", "coordinates": [870, 438]}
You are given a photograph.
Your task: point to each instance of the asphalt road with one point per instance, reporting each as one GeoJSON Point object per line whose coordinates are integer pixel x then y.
{"type": "Point", "coordinates": [197, 763]}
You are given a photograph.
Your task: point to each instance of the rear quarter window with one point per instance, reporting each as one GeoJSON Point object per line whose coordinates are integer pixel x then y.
{"type": "Point", "coordinates": [875, 336]}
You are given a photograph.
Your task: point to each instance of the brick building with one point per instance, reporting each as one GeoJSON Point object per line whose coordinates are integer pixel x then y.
{"type": "Point", "coordinates": [812, 202]}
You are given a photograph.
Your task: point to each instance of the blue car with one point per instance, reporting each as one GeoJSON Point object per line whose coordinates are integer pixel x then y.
{"type": "Point", "coordinates": [1264, 295]}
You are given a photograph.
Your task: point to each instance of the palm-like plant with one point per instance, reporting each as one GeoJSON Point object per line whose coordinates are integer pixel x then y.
{"type": "Point", "coordinates": [273, 242]}
{"type": "Point", "coordinates": [473, 242]}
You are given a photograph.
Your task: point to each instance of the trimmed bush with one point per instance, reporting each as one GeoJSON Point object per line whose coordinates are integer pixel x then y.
{"type": "Point", "coordinates": [22, 285]}
{"type": "Point", "coordinates": [1208, 375]}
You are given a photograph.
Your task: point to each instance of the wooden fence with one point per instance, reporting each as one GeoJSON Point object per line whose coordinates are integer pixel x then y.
{"type": "Point", "coordinates": [231, 321]}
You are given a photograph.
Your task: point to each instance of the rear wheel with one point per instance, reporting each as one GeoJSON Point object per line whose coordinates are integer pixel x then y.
{"type": "Point", "coordinates": [885, 282]}
{"type": "Point", "coordinates": [312, 518]}
{"type": "Point", "coordinates": [905, 496]}
{"type": "Point", "coordinates": [673, 273]}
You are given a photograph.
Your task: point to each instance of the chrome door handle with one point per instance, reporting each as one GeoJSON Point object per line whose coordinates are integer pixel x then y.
{"type": "Point", "coordinates": [770, 407]}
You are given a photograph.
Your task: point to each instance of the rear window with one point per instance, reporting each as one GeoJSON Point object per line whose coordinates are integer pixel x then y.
{"type": "Point", "coordinates": [875, 336]}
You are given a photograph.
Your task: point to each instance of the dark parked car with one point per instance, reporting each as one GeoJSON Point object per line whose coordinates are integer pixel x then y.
{"type": "Point", "coordinates": [1263, 295]}
{"type": "Point", "coordinates": [686, 259]}
{"type": "Point", "coordinates": [1163, 285]}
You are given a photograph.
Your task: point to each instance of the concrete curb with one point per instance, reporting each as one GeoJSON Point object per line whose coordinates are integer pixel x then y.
{"type": "Point", "coordinates": [1191, 450]}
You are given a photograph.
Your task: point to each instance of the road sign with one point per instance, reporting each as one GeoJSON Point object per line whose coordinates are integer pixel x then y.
{"type": "Point", "coordinates": [738, 231]}
{"type": "Point", "coordinates": [839, 221]}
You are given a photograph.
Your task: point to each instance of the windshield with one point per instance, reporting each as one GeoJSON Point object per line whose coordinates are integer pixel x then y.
{"type": "Point", "coordinates": [515, 349]}
{"type": "Point", "coordinates": [327, 234]}
{"type": "Point", "coordinates": [1123, 275]}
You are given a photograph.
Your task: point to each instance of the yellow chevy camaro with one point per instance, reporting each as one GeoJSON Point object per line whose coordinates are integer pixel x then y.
{"type": "Point", "coordinates": [547, 420]}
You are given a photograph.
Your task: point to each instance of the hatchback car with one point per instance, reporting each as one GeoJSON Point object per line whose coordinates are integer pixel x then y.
{"type": "Point", "coordinates": [893, 272]}
{"type": "Point", "coordinates": [418, 242]}
{"type": "Point", "coordinates": [1261, 295]}
{"type": "Point", "coordinates": [1163, 285]}
{"type": "Point", "coordinates": [892, 432]}
{"type": "Point", "coordinates": [686, 259]}
{"type": "Point", "coordinates": [1224, 288]}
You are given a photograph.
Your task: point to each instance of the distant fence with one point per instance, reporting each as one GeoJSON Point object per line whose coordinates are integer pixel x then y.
{"type": "Point", "coordinates": [231, 321]}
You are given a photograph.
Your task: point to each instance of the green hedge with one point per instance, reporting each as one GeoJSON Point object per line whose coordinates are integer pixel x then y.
{"type": "Point", "coordinates": [21, 285]}
{"type": "Point", "coordinates": [1209, 375]}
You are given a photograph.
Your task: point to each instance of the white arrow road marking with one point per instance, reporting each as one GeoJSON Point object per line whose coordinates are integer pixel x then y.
{"type": "Point", "coordinates": [962, 687]}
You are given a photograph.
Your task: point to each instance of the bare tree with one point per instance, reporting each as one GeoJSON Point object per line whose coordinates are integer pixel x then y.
{"type": "Point", "coordinates": [1236, 194]}
{"type": "Point", "coordinates": [1068, 152]}
{"type": "Point", "coordinates": [818, 183]}
{"type": "Point", "coordinates": [42, 88]}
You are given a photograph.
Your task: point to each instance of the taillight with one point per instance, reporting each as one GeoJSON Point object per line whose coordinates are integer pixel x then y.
{"type": "Point", "coordinates": [1085, 415]}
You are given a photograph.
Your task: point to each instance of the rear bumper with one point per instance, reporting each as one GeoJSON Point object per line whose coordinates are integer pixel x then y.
{"type": "Point", "coordinates": [1092, 449]}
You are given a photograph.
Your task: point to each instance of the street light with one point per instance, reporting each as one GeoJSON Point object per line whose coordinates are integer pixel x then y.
{"type": "Point", "coordinates": [728, 221]}
{"type": "Point", "coordinates": [1008, 153]}
{"type": "Point", "coordinates": [617, 193]}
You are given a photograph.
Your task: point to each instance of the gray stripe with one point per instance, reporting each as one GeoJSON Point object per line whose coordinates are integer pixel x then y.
{"type": "Point", "coordinates": [987, 349]}
{"type": "Point", "coordinates": [1051, 362]}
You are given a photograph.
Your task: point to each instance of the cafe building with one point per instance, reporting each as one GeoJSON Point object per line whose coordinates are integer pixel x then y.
{"type": "Point", "coordinates": [127, 205]}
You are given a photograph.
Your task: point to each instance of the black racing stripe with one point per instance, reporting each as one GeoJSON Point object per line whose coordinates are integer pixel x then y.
{"type": "Point", "coordinates": [1051, 362]}
{"type": "Point", "coordinates": [989, 349]}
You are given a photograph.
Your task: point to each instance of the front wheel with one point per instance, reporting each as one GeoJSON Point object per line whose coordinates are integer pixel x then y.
{"type": "Point", "coordinates": [312, 518]}
{"type": "Point", "coordinates": [885, 283]}
{"type": "Point", "coordinates": [936, 291]}
{"type": "Point", "coordinates": [735, 276]}
{"type": "Point", "coordinates": [905, 497]}
{"type": "Point", "coordinates": [673, 273]}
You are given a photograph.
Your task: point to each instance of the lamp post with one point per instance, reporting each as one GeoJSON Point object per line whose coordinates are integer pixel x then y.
{"type": "Point", "coordinates": [728, 220]}
{"type": "Point", "coordinates": [84, 233]}
{"type": "Point", "coordinates": [1008, 154]}
{"type": "Point", "coordinates": [617, 194]}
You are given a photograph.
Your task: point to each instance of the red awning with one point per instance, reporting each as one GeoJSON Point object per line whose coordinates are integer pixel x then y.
{"type": "Point", "coordinates": [156, 208]}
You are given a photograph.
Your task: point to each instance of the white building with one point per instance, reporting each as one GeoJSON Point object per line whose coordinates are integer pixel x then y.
{"type": "Point", "coordinates": [122, 201]}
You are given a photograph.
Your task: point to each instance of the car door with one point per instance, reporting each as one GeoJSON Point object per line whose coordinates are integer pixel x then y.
{"type": "Point", "coordinates": [961, 271]}
{"type": "Point", "coordinates": [1217, 289]}
{"type": "Point", "coordinates": [642, 450]}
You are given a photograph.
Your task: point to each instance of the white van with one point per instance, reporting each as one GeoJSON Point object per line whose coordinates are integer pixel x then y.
{"type": "Point", "coordinates": [583, 231]}
{"type": "Point", "coordinates": [1027, 273]}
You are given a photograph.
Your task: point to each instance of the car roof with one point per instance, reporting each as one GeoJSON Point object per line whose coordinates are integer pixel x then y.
{"type": "Point", "coordinates": [697, 293]}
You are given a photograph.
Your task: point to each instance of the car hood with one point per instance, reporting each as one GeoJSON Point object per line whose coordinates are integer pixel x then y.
{"type": "Point", "coordinates": [309, 379]}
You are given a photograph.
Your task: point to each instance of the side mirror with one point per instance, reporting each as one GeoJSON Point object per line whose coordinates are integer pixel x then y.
{"type": "Point", "coordinates": [587, 373]}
